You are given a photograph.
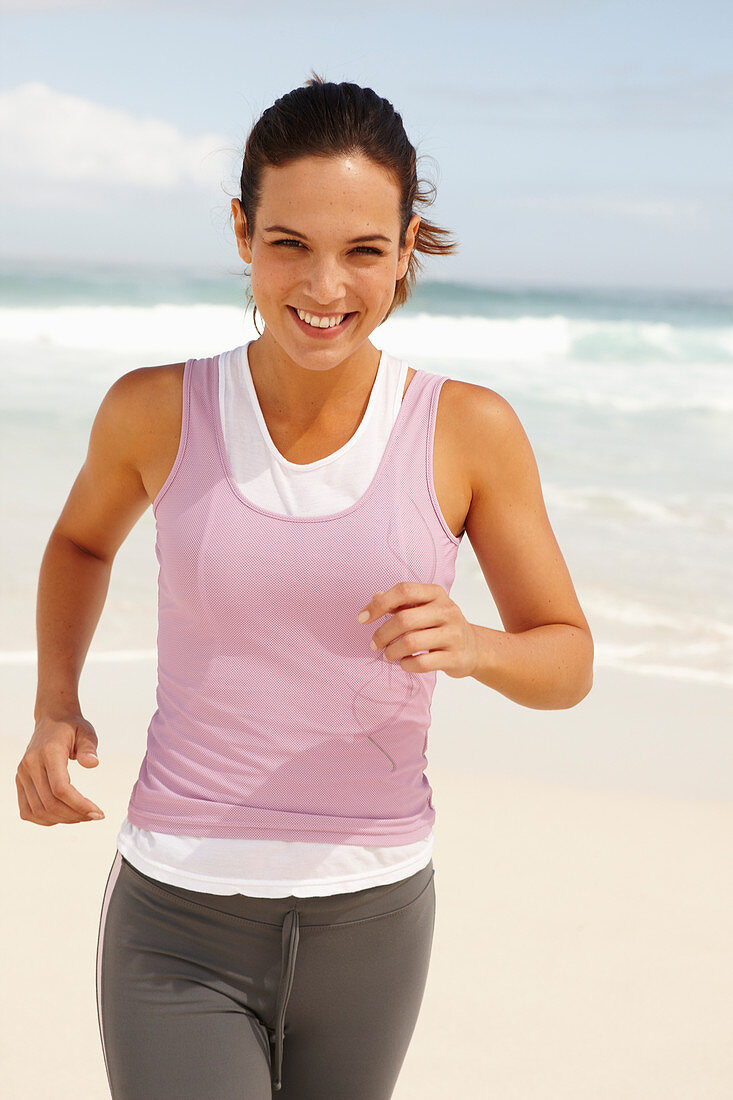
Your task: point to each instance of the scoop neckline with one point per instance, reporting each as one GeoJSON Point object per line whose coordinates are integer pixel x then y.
{"type": "Point", "coordinates": [242, 357]}
{"type": "Point", "coordinates": [234, 485]}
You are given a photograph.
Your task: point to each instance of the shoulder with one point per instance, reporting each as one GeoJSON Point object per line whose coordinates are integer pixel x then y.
{"type": "Point", "coordinates": [142, 405]}
{"type": "Point", "coordinates": [143, 384]}
{"type": "Point", "coordinates": [488, 432]}
{"type": "Point", "coordinates": [479, 403]}
{"type": "Point", "coordinates": [481, 414]}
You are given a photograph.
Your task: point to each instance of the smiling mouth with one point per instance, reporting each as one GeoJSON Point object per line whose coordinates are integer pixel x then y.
{"type": "Point", "coordinates": [320, 323]}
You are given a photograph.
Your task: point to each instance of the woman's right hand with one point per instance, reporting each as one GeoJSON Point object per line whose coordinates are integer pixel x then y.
{"type": "Point", "coordinates": [107, 498]}
{"type": "Point", "coordinates": [45, 793]}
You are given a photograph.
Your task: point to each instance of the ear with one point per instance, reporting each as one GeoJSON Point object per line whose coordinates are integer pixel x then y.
{"type": "Point", "coordinates": [410, 238]}
{"type": "Point", "coordinates": [240, 230]}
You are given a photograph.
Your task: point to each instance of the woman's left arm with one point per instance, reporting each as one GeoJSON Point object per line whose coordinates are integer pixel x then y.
{"type": "Point", "coordinates": [544, 656]}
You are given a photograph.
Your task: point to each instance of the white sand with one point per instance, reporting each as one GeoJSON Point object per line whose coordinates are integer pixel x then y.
{"type": "Point", "coordinates": [583, 942]}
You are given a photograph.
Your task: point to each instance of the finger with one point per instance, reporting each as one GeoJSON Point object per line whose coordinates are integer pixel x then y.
{"type": "Point", "coordinates": [33, 808]}
{"type": "Point", "coordinates": [87, 758]}
{"type": "Point", "coordinates": [85, 749]}
{"type": "Point", "coordinates": [414, 642]}
{"type": "Point", "coordinates": [433, 661]}
{"type": "Point", "coordinates": [407, 620]}
{"type": "Point", "coordinates": [26, 806]}
{"type": "Point", "coordinates": [409, 594]}
{"type": "Point", "coordinates": [30, 803]}
{"type": "Point", "coordinates": [399, 597]}
{"type": "Point", "coordinates": [60, 786]}
{"type": "Point", "coordinates": [382, 603]}
{"type": "Point", "coordinates": [56, 810]}
{"type": "Point", "coordinates": [367, 612]}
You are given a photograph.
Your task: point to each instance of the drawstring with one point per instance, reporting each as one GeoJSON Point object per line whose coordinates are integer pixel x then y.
{"type": "Point", "coordinates": [290, 937]}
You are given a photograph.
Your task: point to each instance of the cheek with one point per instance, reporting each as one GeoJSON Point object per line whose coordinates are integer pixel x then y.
{"type": "Point", "coordinates": [268, 278]}
{"type": "Point", "coordinates": [379, 283]}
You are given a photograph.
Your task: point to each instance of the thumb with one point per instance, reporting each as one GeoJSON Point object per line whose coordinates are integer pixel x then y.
{"type": "Point", "coordinates": [86, 749]}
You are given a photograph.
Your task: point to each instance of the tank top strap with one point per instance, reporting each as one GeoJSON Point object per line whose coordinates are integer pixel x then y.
{"type": "Point", "coordinates": [415, 424]}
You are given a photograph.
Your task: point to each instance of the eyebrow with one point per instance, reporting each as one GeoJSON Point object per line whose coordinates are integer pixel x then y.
{"type": "Point", "coordinates": [294, 233]}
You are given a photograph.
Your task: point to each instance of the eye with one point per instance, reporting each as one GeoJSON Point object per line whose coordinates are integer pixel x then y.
{"type": "Point", "coordinates": [365, 250]}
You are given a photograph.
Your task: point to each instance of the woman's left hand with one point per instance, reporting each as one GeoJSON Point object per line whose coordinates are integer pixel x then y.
{"type": "Point", "coordinates": [427, 630]}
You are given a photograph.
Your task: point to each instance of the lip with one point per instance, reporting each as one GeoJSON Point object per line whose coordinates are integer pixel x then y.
{"type": "Point", "coordinates": [321, 333]}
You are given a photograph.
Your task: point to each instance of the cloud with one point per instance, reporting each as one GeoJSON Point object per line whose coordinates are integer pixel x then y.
{"type": "Point", "coordinates": [53, 144]}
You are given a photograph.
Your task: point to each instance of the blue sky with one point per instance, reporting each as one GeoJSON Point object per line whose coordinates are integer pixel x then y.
{"type": "Point", "coordinates": [573, 144]}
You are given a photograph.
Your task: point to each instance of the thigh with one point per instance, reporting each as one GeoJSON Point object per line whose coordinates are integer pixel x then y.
{"type": "Point", "coordinates": [169, 1027]}
{"type": "Point", "coordinates": [356, 995]}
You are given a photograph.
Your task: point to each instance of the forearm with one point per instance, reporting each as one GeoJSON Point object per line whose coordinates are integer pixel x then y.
{"type": "Point", "coordinates": [547, 668]}
{"type": "Point", "coordinates": [72, 588]}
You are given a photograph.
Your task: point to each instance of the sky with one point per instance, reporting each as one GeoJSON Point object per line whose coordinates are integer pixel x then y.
{"type": "Point", "coordinates": [572, 142]}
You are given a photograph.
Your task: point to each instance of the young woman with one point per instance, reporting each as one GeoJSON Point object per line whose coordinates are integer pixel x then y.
{"type": "Point", "coordinates": [268, 918]}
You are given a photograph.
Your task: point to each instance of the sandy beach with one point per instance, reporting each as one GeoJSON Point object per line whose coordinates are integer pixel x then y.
{"type": "Point", "coordinates": [584, 932]}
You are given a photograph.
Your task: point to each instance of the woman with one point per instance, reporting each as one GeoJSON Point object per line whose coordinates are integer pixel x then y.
{"type": "Point", "coordinates": [268, 919]}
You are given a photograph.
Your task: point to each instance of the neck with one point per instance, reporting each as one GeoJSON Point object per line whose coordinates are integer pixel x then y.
{"type": "Point", "coordinates": [301, 395]}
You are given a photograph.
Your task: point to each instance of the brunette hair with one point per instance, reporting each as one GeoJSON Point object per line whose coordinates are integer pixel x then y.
{"type": "Point", "coordinates": [325, 119]}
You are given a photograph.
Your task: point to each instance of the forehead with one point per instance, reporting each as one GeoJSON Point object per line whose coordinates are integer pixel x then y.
{"type": "Point", "coordinates": [323, 192]}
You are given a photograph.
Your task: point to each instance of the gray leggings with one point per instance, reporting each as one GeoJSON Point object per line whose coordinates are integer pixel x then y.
{"type": "Point", "coordinates": [192, 989]}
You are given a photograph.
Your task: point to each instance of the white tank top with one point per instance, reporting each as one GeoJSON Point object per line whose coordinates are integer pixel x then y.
{"type": "Point", "coordinates": [281, 868]}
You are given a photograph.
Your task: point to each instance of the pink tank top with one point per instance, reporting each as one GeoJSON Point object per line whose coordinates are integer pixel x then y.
{"type": "Point", "coordinates": [274, 718]}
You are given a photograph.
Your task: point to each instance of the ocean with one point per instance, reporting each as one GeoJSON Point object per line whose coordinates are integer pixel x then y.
{"type": "Point", "coordinates": [626, 396]}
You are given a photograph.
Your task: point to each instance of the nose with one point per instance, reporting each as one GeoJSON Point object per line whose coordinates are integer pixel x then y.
{"type": "Point", "coordinates": [325, 283]}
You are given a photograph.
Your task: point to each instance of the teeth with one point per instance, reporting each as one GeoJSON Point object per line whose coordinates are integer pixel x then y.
{"type": "Point", "coordinates": [320, 322]}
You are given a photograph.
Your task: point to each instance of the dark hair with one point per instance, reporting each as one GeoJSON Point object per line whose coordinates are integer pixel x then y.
{"type": "Point", "coordinates": [326, 119]}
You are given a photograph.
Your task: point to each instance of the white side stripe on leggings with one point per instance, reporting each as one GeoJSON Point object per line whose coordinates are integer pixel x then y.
{"type": "Point", "coordinates": [114, 872]}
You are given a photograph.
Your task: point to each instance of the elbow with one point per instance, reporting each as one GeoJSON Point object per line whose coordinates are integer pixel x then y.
{"type": "Point", "coordinates": [586, 681]}
{"type": "Point", "coordinates": [583, 682]}
{"type": "Point", "coordinates": [574, 693]}
{"type": "Point", "coordinates": [585, 688]}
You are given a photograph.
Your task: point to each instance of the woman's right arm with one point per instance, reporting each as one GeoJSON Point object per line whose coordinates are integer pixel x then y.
{"type": "Point", "coordinates": [105, 501]}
